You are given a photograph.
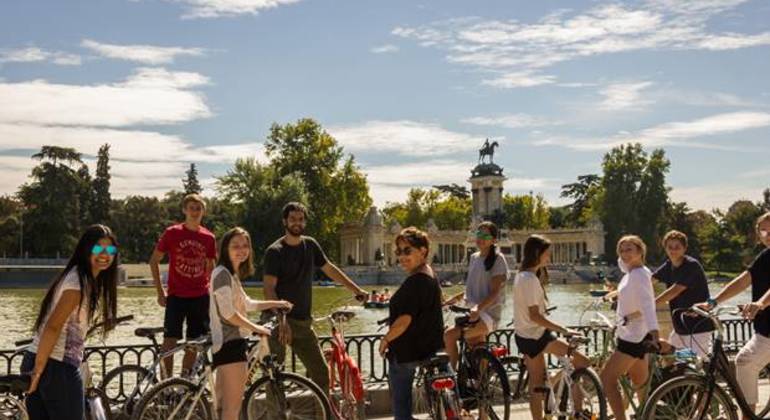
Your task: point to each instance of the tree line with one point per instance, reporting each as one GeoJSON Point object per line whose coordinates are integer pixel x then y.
{"type": "Point", "coordinates": [305, 163]}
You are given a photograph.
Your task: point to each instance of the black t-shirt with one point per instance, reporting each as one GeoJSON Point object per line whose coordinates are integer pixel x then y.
{"type": "Point", "coordinates": [294, 267]}
{"type": "Point", "coordinates": [690, 275]}
{"type": "Point", "coordinates": [760, 282]}
{"type": "Point", "coordinates": [420, 297]}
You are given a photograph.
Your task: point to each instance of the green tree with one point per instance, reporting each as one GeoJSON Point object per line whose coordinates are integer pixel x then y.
{"type": "Point", "coordinates": [526, 211]}
{"type": "Point", "coordinates": [85, 197]}
{"type": "Point", "coordinates": [633, 196]}
{"type": "Point", "coordinates": [101, 202]}
{"type": "Point", "coordinates": [190, 184]}
{"type": "Point", "coordinates": [741, 219]}
{"type": "Point", "coordinates": [52, 199]}
{"type": "Point", "coordinates": [336, 189]}
{"type": "Point", "coordinates": [559, 217]}
{"type": "Point", "coordinates": [721, 247]}
{"type": "Point", "coordinates": [257, 194]}
{"type": "Point", "coordinates": [138, 222]}
{"type": "Point", "coordinates": [10, 218]}
{"type": "Point", "coordinates": [581, 193]}
{"type": "Point", "coordinates": [448, 211]}
{"type": "Point", "coordinates": [765, 204]}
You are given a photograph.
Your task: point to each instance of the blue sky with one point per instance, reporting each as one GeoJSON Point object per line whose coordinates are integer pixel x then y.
{"type": "Point", "coordinates": [411, 88]}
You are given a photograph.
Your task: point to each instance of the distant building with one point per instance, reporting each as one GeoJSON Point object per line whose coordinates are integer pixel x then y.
{"type": "Point", "coordinates": [370, 243]}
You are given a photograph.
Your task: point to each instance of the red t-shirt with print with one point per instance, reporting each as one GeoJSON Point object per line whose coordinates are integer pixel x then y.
{"type": "Point", "coordinates": [188, 252]}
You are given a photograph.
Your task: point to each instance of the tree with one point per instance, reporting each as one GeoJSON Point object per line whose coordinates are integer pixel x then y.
{"type": "Point", "coordinates": [257, 194]}
{"type": "Point", "coordinates": [52, 198]}
{"type": "Point", "coordinates": [765, 204]}
{"type": "Point", "coordinates": [138, 222]}
{"type": "Point", "coordinates": [740, 219]}
{"type": "Point", "coordinates": [632, 196]}
{"type": "Point", "coordinates": [101, 201]}
{"type": "Point", "coordinates": [10, 218]}
{"type": "Point", "coordinates": [559, 217]}
{"type": "Point", "coordinates": [722, 248]}
{"type": "Point", "coordinates": [581, 192]}
{"type": "Point", "coordinates": [85, 196]}
{"type": "Point", "coordinates": [190, 183]}
{"type": "Point", "coordinates": [525, 211]}
{"type": "Point", "coordinates": [454, 190]}
{"type": "Point", "coordinates": [337, 191]}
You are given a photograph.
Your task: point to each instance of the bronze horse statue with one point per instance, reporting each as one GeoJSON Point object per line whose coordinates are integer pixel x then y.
{"type": "Point", "coordinates": [488, 150]}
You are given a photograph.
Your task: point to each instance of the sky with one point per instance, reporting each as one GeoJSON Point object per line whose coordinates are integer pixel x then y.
{"type": "Point", "coordinates": [410, 88]}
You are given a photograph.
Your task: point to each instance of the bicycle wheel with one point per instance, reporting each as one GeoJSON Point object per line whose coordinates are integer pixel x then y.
{"type": "Point", "coordinates": [342, 398]}
{"type": "Point", "coordinates": [12, 408]}
{"type": "Point", "coordinates": [490, 395]}
{"type": "Point", "coordinates": [592, 404]}
{"type": "Point", "coordinates": [421, 403]}
{"type": "Point", "coordinates": [172, 399]}
{"type": "Point", "coordinates": [684, 398]}
{"type": "Point", "coordinates": [289, 396]}
{"type": "Point", "coordinates": [97, 405]}
{"type": "Point", "coordinates": [124, 382]}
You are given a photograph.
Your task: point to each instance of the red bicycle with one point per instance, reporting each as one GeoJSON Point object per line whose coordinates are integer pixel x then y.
{"type": "Point", "coordinates": [346, 387]}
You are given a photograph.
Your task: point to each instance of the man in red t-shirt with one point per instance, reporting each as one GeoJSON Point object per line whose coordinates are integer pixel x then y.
{"type": "Point", "coordinates": [191, 250]}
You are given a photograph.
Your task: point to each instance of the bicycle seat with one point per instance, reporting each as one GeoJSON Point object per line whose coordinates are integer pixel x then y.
{"type": "Point", "coordinates": [465, 321]}
{"type": "Point", "coordinates": [14, 384]}
{"type": "Point", "coordinates": [148, 332]}
{"type": "Point", "coordinates": [459, 309]}
{"type": "Point", "coordinates": [25, 342]}
{"type": "Point", "coordinates": [343, 316]}
{"type": "Point", "coordinates": [439, 359]}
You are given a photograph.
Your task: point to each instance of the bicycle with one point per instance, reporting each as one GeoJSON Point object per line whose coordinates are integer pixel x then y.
{"type": "Point", "coordinates": [482, 381]}
{"type": "Point", "coordinates": [699, 396]}
{"type": "Point", "coordinates": [276, 394]}
{"type": "Point", "coordinates": [662, 365]}
{"type": "Point", "coordinates": [124, 385]}
{"type": "Point", "coordinates": [12, 389]}
{"type": "Point", "coordinates": [435, 391]}
{"type": "Point", "coordinates": [96, 405]}
{"type": "Point", "coordinates": [346, 388]}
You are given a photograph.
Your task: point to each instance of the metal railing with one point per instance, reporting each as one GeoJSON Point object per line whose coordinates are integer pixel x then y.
{"type": "Point", "coordinates": [363, 348]}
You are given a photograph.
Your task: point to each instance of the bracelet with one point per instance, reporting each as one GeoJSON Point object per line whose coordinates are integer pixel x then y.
{"type": "Point", "coordinates": [712, 302]}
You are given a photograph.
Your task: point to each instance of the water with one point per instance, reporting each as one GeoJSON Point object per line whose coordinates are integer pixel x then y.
{"type": "Point", "coordinates": [19, 308]}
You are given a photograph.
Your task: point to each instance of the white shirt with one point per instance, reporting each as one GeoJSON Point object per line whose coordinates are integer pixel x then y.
{"type": "Point", "coordinates": [478, 284]}
{"type": "Point", "coordinates": [227, 298]}
{"type": "Point", "coordinates": [527, 292]}
{"type": "Point", "coordinates": [635, 294]}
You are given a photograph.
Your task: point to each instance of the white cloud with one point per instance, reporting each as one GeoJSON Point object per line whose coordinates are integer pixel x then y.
{"type": "Point", "coordinates": [684, 133]}
{"type": "Point", "coordinates": [146, 54]}
{"type": "Point", "coordinates": [403, 137]}
{"type": "Point", "coordinates": [35, 54]}
{"type": "Point", "coordinates": [199, 9]}
{"type": "Point", "coordinates": [719, 195]}
{"type": "Point", "coordinates": [384, 49]}
{"type": "Point", "coordinates": [624, 96]}
{"type": "Point", "coordinates": [511, 121]}
{"type": "Point", "coordinates": [517, 53]}
{"type": "Point", "coordinates": [149, 96]}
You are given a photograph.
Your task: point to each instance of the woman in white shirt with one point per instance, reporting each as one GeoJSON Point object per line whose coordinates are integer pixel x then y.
{"type": "Point", "coordinates": [229, 322]}
{"type": "Point", "coordinates": [533, 331]}
{"type": "Point", "coordinates": [638, 332]}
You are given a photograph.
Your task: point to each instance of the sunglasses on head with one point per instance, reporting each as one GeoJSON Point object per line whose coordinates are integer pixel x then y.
{"type": "Point", "coordinates": [484, 235]}
{"type": "Point", "coordinates": [406, 251]}
{"type": "Point", "coordinates": [109, 249]}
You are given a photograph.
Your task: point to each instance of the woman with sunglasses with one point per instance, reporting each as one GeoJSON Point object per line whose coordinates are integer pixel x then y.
{"type": "Point", "coordinates": [87, 286]}
{"type": "Point", "coordinates": [484, 291]}
{"type": "Point", "coordinates": [415, 319]}
{"type": "Point", "coordinates": [755, 354]}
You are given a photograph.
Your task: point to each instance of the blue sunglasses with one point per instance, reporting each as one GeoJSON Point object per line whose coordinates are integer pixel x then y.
{"type": "Point", "coordinates": [110, 249]}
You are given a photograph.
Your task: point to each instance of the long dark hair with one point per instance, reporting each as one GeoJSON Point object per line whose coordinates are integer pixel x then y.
{"type": "Point", "coordinates": [246, 268]}
{"type": "Point", "coordinates": [491, 228]}
{"type": "Point", "coordinates": [97, 293]}
{"type": "Point", "coordinates": [534, 247]}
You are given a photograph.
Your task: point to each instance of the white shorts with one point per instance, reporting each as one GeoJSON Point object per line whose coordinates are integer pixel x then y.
{"type": "Point", "coordinates": [488, 321]}
{"type": "Point", "coordinates": [700, 343]}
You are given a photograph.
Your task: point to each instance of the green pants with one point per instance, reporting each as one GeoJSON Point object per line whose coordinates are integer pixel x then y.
{"type": "Point", "coordinates": [304, 343]}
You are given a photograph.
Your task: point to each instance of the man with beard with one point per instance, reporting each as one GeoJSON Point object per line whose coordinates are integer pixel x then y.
{"type": "Point", "coordinates": [290, 265]}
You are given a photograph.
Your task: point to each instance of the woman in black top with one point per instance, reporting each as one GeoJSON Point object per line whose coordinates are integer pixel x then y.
{"type": "Point", "coordinates": [416, 322]}
{"type": "Point", "coordinates": [755, 354]}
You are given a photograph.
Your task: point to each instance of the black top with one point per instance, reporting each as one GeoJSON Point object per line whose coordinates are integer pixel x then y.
{"type": "Point", "coordinates": [294, 267]}
{"type": "Point", "coordinates": [760, 282]}
{"type": "Point", "coordinates": [420, 297]}
{"type": "Point", "coordinates": [690, 275]}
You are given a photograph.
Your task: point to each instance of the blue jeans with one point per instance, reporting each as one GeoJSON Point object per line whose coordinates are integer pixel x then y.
{"type": "Point", "coordinates": [400, 378]}
{"type": "Point", "coordinates": [59, 393]}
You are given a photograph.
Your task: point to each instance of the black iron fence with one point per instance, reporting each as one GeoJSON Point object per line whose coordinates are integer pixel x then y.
{"type": "Point", "coordinates": [363, 348]}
